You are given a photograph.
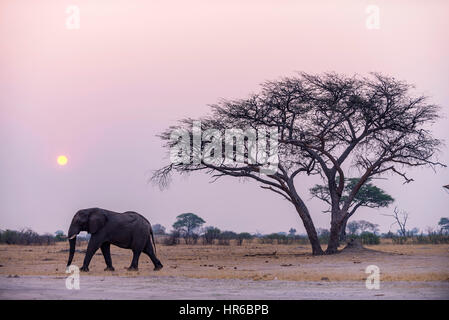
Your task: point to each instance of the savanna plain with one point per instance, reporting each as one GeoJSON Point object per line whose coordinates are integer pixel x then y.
{"type": "Point", "coordinates": [251, 271]}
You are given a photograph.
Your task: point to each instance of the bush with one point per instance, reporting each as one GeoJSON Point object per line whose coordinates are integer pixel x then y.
{"type": "Point", "coordinates": [243, 236]}
{"type": "Point", "coordinates": [191, 239]}
{"type": "Point", "coordinates": [211, 235]}
{"type": "Point", "coordinates": [399, 239]}
{"type": "Point", "coordinates": [266, 239]}
{"type": "Point", "coordinates": [25, 237]}
{"type": "Point", "coordinates": [276, 237]}
{"type": "Point", "coordinates": [226, 237]}
{"type": "Point", "coordinates": [173, 238]}
{"type": "Point", "coordinates": [369, 238]}
{"type": "Point", "coordinates": [323, 235]}
{"type": "Point", "coordinates": [60, 236]}
{"type": "Point", "coordinates": [432, 237]}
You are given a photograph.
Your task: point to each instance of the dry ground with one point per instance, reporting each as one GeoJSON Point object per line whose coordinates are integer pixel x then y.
{"type": "Point", "coordinates": [250, 261]}
{"type": "Point", "coordinates": [150, 287]}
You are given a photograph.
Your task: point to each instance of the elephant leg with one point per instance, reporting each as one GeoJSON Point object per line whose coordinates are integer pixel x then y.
{"type": "Point", "coordinates": [135, 263]}
{"type": "Point", "coordinates": [92, 247]}
{"type": "Point", "coordinates": [150, 252]}
{"type": "Point", "coordinates": [106, 250]}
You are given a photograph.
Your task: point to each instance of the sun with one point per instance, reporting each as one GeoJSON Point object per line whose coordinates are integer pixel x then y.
{"type": "Point", "coordinates": [62, 160]}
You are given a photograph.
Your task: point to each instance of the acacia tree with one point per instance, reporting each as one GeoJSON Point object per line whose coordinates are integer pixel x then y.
{"type": "Point", "coordinates": [325, 124]}
{"type": "Point", "coordinates": [187, 223]}
{"type": "Point", "coordinates": [368, 196]}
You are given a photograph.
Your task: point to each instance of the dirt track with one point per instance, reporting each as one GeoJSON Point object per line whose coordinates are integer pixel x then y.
{"type": "Point", "coordinates": [94, 287]}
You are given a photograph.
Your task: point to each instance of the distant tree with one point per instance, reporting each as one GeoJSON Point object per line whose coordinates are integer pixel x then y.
{"type": "Point", "coordinates": [369, 238]}
{"type": "Point", "coordinates": [158, 229]}
{"type": "Point", "coordinates": [353, 227]}
{"type": "Point", "coordinates": [388, 235]}
{"type": "Point", "coordinates": [188, 223]}
{"type": "Point", "coordinates": [401, 218]}
{"type": "Point", "coordinates": [413, 233]}
{"type": "Point", "coordinates": [173, 238]}
{"type": "Point", "coordinates": [361, 226]}
{"type": "Point", "coordinates": [366, 226]}
{"type": "Point", "coordinates": [243, 236]}
{"type": "Point", "coordinates": [368, 196]}
{"type": "Point", "coordinates": [444, 224]}
{"type": "Point", "coordinates": [323, 234]}
{"type": "Point", "coordinates": [226, 236]}
{"type": "Point", "coordinates": [25, 237]}
{"type": "Point", "coordinates": [211, 234]}
{"type": "Point", "coordinates": [60, 236]}
{"type": "Point", "coordinates": [258, 234]}
{"type": "Point", "coordinates": [292, 232]}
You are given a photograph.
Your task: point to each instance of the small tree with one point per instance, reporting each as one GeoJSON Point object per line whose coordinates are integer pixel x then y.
{"type": "Point", "coordinates": [368, 196]}
{"type": "Point", "coordinates": [401, 218]}
{"type": "Point", "coordinates": [211, 234]}
{"type": "Point", "coordinates": [353, 227]}
{"type": "Point", "coordinates": [59, 236]}
{"type": "Point", "coordinates": [323, 235]}
{"type": "Point", "coordinates": [366, 226]}
{"type": "Point", "coordinates": [226, 236]}
{"type": "Point", "coordinates": [243, 236]}
{"type": "Point", "coordinates": [413, 233]}
{"type": "Point", "coordinates": [187, 224]}
{"type": "Point", "coordinates": [363, 226]}
{"type": "Point", "coordinates": [369, 238]}
{"type": "Point", "coordinates": [159, 229]}
{"type": "Point", "coordinates": [173, 238]}
{"type": "Point", "coordinates": [444, 224]}
{"type": "Point", "coordinates": [292, 232]}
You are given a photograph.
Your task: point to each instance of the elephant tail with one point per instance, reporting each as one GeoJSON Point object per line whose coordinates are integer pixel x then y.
{"type": "Point", "coordinates": [152, 238]}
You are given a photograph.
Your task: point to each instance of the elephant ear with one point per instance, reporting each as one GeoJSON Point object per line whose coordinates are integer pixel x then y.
{"type": "Point", "coordinates": [97, 220]}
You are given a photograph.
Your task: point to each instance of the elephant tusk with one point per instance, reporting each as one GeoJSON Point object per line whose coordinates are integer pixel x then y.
{"type": "Point", "coordinates": [74, 236]}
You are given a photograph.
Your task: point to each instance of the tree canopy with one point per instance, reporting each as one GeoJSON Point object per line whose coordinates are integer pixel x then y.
{"type": "Point", "coordinates": [444, 224]}
{"type": "Point", "coordinates": [368, 195]}
{"type": "Point", "coordinates": [188, 223]}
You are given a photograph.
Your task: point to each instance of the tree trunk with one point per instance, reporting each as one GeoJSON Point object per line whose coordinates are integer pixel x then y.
{"type": "Point", "coordinates": [343, 229]}
{"type": "Point", "coordinates": [310, 229]}
{"type": "Point", "coordinates": [313, 238]}
{"type": "Point", "coordinates": [334, 240]}
{"type": "Point", "coordinates": [303, 212]}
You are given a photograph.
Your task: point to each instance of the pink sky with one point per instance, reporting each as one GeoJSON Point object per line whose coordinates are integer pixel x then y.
{"type": "Point", "coordinates": [100, 94]}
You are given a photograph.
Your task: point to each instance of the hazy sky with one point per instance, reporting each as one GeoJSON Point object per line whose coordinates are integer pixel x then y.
{"type": "Point", "coordinates": [99, 95]}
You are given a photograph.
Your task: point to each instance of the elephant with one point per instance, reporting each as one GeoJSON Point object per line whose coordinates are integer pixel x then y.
{"type": "Point", "coordinates": [128, 230]}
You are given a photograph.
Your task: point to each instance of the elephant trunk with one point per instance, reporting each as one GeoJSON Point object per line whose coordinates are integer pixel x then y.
{"type": "Point", "coordinates": [72, 250]}
{"type": "Point", "coordinates": [73, 231]}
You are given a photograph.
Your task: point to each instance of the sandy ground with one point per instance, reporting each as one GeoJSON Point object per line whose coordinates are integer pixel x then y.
{"type": "Point", "coordinates": [95, 287]}
{"type": "Point", "coordinates": [242, 272]}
